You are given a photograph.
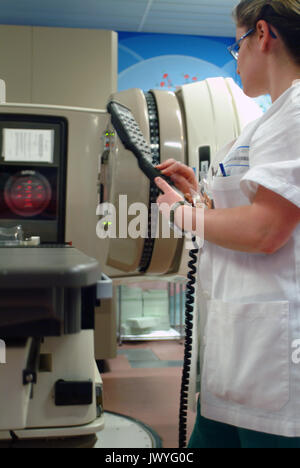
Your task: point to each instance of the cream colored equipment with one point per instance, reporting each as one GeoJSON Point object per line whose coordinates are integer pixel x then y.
{"type": "Point", "coordinates": [190, 126]}
{"type": "Point", "coordinates": [28, 410]}
{"type": "Point", "coordinates": [50, 386]}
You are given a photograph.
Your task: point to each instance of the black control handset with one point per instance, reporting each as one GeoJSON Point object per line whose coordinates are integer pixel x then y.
{"type": "Point", "coordinates": [132, 138]}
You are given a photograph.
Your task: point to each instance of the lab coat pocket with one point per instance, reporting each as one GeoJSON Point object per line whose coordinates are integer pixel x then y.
{"type": "Point", "coordinates": [247, 353]}
{"type": "Point", "coordinates": [226, 191]}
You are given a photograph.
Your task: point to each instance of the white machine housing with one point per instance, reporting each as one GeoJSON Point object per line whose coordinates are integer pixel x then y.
{"type": "Point", "coordinates": [72, 357]}
{"type": "Point", "coordinates": [36, 416]}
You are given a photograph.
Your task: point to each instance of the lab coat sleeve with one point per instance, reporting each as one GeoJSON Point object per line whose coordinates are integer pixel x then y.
{"type": "Point", "coordinates": [274, 157]}
{"type": "Point", "coordinates": [282, 178]}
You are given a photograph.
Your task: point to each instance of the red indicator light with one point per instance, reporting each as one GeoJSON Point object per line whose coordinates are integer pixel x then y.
{"type": "Point", "coordinates": [28, 196]}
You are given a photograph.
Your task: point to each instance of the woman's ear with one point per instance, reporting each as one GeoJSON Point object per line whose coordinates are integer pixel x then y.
{"type": "Point", "coordinates": [263, 35]}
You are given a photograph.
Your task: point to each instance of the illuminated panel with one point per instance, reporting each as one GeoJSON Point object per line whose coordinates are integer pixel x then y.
{"type": "Point", "coordinates": [27, 193]}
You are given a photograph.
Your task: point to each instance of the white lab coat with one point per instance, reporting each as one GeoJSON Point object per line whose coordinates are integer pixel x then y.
{"type": "Point", "coordinates": [249, 324]}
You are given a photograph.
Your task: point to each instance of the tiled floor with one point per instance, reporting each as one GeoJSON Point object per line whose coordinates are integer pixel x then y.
{"type": "Point", "coordinates": [144, 383]}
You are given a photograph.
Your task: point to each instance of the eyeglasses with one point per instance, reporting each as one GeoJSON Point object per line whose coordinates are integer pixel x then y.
{"type": "Point", "coordinates": [234, 48]}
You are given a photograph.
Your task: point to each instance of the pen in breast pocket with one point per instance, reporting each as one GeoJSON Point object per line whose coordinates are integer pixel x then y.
{"type": "Point", "coordinates": [222, 170]}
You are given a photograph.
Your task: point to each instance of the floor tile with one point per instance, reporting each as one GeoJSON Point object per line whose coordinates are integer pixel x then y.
{"type": "Point", "coordinates": [147, 393]}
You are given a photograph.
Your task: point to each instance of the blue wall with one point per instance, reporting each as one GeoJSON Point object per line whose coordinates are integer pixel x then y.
{"type": "Point", "coordinates": [166, 61]}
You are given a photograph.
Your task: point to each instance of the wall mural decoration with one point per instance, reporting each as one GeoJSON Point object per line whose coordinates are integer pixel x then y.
{"type": "Point", "coordinates": [167, 61]}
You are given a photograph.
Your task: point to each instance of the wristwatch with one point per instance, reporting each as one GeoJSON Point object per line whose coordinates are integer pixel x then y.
{"type": "Point", "coordinates": [172, 215]}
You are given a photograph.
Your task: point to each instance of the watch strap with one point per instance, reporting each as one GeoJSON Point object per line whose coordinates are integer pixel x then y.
{"type": "Point", "coordinates": [172, 213]}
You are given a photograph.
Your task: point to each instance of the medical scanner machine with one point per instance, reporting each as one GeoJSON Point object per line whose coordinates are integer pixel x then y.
{"type": "Point", "coordinates": [58, 166]}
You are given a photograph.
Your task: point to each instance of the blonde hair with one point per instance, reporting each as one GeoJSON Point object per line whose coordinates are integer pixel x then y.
{"type": "Point", "coordinates": [284, 15]}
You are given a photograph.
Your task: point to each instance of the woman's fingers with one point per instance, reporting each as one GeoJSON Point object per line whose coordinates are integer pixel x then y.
{"type": "Point", "coordinates": [163, 185]}
{"type": "Point", "coordinates": [188, 197]}
{"type": "Point", "coordinates": [182, 175]}
{"type": "Point", "coordinates": [181, 183]}
{"type": "Point", "coordinates": [165, 164]}
{"type": "Point", "coordinates": [171, 167]}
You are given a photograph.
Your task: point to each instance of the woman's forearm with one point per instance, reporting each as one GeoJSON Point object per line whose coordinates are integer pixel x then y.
{"type": "Point", "coordinates": [262, 227]}
{"type": "Point", "coordinates": [239, 228]}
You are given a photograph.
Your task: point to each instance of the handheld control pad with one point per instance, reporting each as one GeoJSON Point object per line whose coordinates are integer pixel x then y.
{"type": "Point", "coordinates": [133, 139]}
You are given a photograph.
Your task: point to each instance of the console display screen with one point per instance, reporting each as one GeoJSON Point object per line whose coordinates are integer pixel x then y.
{"type": "Point", "coordinates": [33, 173]}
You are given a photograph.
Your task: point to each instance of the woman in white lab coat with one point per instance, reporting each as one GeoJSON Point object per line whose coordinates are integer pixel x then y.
{"type": "Point", "coordinates": [249, 267]}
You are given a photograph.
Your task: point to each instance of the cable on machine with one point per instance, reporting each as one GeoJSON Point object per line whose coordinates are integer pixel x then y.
{"type": "Point", "coordinates": [189, 308]}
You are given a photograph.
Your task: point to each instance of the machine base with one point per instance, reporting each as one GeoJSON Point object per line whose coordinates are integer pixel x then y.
{"type": "Point", "coordinates": [61, 437]}
{"type": "Point", "coordinates": [87, 441]}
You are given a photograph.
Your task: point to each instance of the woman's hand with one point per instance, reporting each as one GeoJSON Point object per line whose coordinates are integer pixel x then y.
{"type": "Point", "coordinates": [183, 176]}
{"type": "Point", "coordinates": [168, 198]}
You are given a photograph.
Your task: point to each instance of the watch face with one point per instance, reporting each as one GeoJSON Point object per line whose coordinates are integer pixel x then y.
{"type": "Point", "coordinates": [27, 193]}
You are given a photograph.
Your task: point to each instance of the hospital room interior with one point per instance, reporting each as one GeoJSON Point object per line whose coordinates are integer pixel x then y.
{"type": "Point", "coordinates": [97, 292]}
